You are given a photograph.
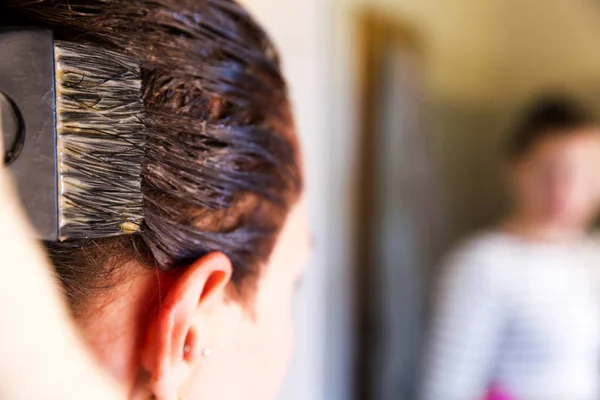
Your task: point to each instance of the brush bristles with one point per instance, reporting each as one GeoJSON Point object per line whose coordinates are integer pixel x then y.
{"type": "Point", "coordinates": [100, 140]}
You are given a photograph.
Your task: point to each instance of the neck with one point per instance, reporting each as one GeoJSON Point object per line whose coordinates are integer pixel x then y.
{"type": "Point", "coordinates": [114, 327]}
{"type": "Point", "coordinates": [542, 230]}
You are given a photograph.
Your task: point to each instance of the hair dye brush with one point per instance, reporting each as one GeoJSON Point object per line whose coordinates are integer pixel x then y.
{"type": "Point", "coordinates": [71, 119]}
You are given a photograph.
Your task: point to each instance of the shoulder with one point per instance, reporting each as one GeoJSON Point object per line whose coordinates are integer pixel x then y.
{"type": "Point", "coordinates": [483, 258]}
{"type": "Point", "coordinates": [593, 239]}
{"type": "Point", "coordinates": [483, 248]}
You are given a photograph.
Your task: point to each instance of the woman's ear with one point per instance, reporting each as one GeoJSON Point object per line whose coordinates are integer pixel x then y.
{"type": "Point", "coordinates": [175, 338]}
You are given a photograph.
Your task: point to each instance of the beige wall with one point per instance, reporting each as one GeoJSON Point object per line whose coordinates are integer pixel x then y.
{"type": "Point", "coordinates": [499, 49]}
{"type": "Point", "coordinates": [547, 43]}
{"type": "Point", "coordinates": [459, 39]}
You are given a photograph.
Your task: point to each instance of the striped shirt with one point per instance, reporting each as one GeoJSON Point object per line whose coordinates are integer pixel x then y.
{"type": "Point", "coordinates": [522, 315]}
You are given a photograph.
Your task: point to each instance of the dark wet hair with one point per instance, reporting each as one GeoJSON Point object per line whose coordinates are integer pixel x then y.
{"type": "Point", "coordinates": [222, 167]}
{"type": "Point", "coordinates": [549, 116]}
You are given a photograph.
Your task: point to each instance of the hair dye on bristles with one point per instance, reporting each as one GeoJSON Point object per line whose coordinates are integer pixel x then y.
{"type": "Point", "coordinates": [100, 139]}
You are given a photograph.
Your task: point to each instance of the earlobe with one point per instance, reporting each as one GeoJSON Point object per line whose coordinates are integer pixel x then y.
{"type": "Point", "coordinates": [176, 336]}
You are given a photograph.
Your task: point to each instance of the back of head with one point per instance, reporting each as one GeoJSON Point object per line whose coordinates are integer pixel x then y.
{"type": "Point", "coordinates": [222, 167]}
{"type": "Point", "coordinates": [221, 173]}
{"type": "Point", "coordinates": [546, 117]}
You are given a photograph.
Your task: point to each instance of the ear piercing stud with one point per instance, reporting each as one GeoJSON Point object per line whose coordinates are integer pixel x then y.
{"type": "Point", "coordinates": [206, 352]}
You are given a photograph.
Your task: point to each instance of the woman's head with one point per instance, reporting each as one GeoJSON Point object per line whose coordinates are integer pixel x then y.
{"type": "Point", "coordinates": [554, 157]}
{"type": "Point", "coordinates": [214, 263]}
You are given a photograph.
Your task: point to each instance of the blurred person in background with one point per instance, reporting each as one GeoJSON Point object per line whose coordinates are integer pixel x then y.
{"type": "Point", "coordinates": [517, 307]}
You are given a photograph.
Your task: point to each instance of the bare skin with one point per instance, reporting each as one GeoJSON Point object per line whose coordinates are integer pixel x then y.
{"type": "Point", "coordinates": [140, 336]}
{"type": "Point", "coordinates": [556, 187]}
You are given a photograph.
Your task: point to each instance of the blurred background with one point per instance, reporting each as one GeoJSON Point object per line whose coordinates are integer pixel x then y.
{"type": "Point", "coordinates": [402, 106]}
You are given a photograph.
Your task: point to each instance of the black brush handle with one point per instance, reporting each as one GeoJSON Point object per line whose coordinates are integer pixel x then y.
{"type": "Point", "coordinates": [27, 85]}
